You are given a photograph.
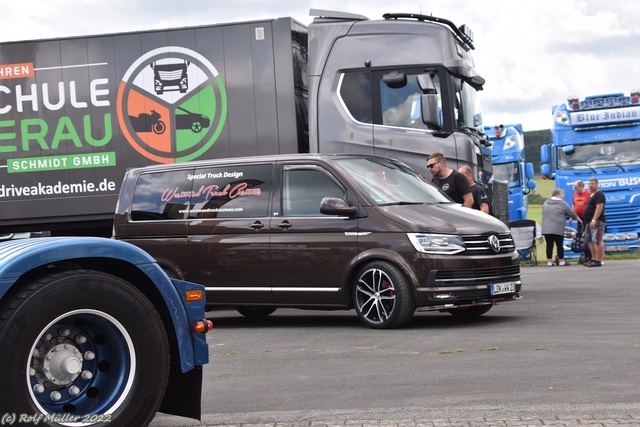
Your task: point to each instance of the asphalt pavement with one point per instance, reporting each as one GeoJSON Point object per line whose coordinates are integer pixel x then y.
{"type": "Point", "coordinates": [581, 296]}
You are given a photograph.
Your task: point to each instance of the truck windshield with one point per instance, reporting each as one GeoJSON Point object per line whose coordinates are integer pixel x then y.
{"type": "Point", "coordinates": [390, 182]}
{"type": "Point", "coordinates": [590, 156]}
{"type": "Point", "coordinates": [507, 172]}
{"type": "Point", "coordinates": [468, 112]}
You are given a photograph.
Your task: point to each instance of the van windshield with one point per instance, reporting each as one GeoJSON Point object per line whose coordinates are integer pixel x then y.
{"type": "Point", "coordinates": [390, 182]}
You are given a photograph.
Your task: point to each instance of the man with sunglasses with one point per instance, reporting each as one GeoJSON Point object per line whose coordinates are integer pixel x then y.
{"type": "Point", "coordinates": [452, 182]}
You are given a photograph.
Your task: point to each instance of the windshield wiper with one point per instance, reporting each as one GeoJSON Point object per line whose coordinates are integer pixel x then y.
{"type": "Point", "coordinates": [400, 203]}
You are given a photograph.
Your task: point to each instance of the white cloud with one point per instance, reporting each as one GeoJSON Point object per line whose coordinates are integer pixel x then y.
{"type": "Point", "coordinates": [532, 54]}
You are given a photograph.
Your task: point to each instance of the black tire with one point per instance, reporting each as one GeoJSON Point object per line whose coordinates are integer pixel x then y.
{"type": "Point", "coordinates": [77, 343]}
{"type": "Point", "coordinates": [381, 296]}
{"type": "Point", "coordinates": [470, 312]}
{"type": "Point", "coordinates": [253, 312]}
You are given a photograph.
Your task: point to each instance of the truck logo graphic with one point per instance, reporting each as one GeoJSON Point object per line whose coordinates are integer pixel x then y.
{"type": "Point", "coordinates": [171, 105]}
{"type": "Point", "coordinates": [170, 75]}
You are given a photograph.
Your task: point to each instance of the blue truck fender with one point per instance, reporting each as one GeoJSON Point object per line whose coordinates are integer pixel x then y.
{"type": "Point", "coordinates": [73, 289]}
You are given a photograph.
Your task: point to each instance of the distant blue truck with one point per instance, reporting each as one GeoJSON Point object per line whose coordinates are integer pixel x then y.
{"type": "Point", "coordinates": [508, 159]}
{"type": "Point", "coordinates": [599, 136]}
{"type": "Point", "coordinates": [94, 332]}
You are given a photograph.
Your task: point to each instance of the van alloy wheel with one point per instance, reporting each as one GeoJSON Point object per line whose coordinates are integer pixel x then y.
{"type": "Point", "coordinates": [381, 296]}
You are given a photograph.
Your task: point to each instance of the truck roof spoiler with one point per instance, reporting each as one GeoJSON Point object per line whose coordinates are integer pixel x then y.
{"type": "Point", "coordinates": [333, 14]}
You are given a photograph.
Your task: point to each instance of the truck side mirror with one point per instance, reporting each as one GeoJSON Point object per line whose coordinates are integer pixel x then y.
{"type": "Point", "coordinates": [545, 153]}
{"type": "Point", "coordinates": [529, 172]}
{"type": "Point", "coordinates": [428, 101]}
{"type": "Point", "coordinates": [336, 206]}
{"type": "Point", "coordinates": [395, 79]}
{"type": "Point", "coordinates": [429, 109]}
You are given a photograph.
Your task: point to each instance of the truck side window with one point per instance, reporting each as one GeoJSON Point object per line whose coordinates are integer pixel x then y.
{"type": "Point", "coordinates": [159, 196]}
{"type": "Point", "coordinates": [304, 189]}
{"type": "Point", "coordinates": [231, 191]}
{"type": "Point", "coordinates": [401, 106]}
{"type": "Point", "coordinates": [355, 91]}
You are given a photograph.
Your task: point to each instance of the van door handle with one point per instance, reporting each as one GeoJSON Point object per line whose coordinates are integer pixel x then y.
{"type": "Point", "coordinates": [257, 225]}
{"type": "Point", "coordinates": [285, 225]}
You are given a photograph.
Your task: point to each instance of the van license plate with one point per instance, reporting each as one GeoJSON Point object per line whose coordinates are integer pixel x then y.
{"type": "Point", "coordinates": [503, 288]}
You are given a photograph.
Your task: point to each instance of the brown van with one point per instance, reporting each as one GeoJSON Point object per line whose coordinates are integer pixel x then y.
{"type": "Point", "coordinates": [319, 232]}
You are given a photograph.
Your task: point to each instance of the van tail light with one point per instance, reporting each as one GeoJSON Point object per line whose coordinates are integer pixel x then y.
{"type": "Point", "coordinates": [203, 326]}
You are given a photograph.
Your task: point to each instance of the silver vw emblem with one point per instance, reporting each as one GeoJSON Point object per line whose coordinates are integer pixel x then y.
{"type": "Point", "coordinates": [494, 243]}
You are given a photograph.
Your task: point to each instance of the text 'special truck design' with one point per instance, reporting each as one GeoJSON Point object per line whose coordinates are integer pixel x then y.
{"type": "Point", "coordinates": [599, 136]}
{"type": "Point", "coordinates": [76, 113]}
{"type": "Point", "coordinates": [508, 158]}
{"type": "Point", "coordinates": [94, 333]}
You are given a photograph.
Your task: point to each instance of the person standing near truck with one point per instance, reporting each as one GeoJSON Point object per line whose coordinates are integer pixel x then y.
{"type": "Point", "coordinates": [580, 198]}
{"type": "Point", "coordinates": [554, 213]}
{"type": "Point", "coordinates": [452, 182]}
{"type": "Point", "coordinates": [597, 222]}
{"type": "Point", "coordinates": [480, 198]}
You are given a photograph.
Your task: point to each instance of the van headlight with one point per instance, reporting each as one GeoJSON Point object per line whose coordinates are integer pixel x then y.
{"type": "Point", "coordinates": [436, 243]}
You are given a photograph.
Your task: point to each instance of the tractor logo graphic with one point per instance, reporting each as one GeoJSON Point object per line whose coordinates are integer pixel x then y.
{"type": "Point", "coordinates": [172, 105]}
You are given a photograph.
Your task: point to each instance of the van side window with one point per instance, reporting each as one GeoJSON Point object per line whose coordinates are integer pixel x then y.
{"type": "Point", "coordinates": [235, 191]}
{"type": "Point", "coordinates": [159, 196]}
{"type": "Point", "coordinates": [304, 189]}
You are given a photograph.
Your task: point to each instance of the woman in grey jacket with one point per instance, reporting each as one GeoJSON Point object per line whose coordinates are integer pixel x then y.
{"type": "Point", "coordinates": [554, 214]}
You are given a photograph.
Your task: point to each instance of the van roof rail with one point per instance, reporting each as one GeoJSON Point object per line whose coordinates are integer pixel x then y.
{"type": "Point", "coordinates": [333, 14]}
{"type": "Point", "coordinates": [463, 33]}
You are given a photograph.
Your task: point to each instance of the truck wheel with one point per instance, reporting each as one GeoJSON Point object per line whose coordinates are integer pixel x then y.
{"type": "Point", "coordinates": [82, 344]}
{"type": "Point", "coordinates": [470, 312]}
{"type": "Point", "coordinates": [381, 296]}
{"type": "Point", "coordinates": [254, 312]}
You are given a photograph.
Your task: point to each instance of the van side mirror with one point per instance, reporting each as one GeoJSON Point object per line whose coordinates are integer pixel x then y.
{"type": "Point", "coordinates": [336, 206]}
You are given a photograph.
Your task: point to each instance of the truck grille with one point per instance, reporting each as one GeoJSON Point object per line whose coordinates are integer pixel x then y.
{"type": "Point", "coordinates": [472, 276]}
{"type": "Point", "coordinates": [479, 244]}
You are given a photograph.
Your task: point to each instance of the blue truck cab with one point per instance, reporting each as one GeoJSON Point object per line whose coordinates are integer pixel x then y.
{"type": "Point", "coordinates": [93, 331]}
{"type": "Point", "coordinates": [508, 159]}
{"type": "Point", "coordinates": [599, 137]}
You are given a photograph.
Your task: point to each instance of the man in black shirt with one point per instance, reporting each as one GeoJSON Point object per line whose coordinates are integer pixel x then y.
{"type": "Point", "coordinates": [480, 198]}
{"type": "Point", "coordinates": [450, 181]}
{"type": "Point", "coordinates": [595, 223]}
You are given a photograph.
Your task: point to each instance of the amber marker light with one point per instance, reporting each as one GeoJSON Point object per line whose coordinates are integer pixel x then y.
{"type": "Point", "coordinates": [203, 326]}
{"type": "Point", "coordinates": [193, 295]}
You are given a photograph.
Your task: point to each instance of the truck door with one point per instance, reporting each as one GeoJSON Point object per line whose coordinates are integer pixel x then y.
{"type": "Point", "coordinates": [228, 232]}
{"type": "Point", "coordinates": [310, 252]}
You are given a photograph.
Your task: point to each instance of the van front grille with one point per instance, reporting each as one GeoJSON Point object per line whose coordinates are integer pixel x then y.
{"type": "Point", "coordinates": [478, 244]}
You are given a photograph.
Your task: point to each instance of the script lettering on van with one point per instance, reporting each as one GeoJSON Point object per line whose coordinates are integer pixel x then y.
{"type": "Point", "coordinates": [230, 191]}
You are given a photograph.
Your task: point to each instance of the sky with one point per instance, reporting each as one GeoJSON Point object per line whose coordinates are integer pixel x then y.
{"type": "Point", "coordinates": [532, 54]}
